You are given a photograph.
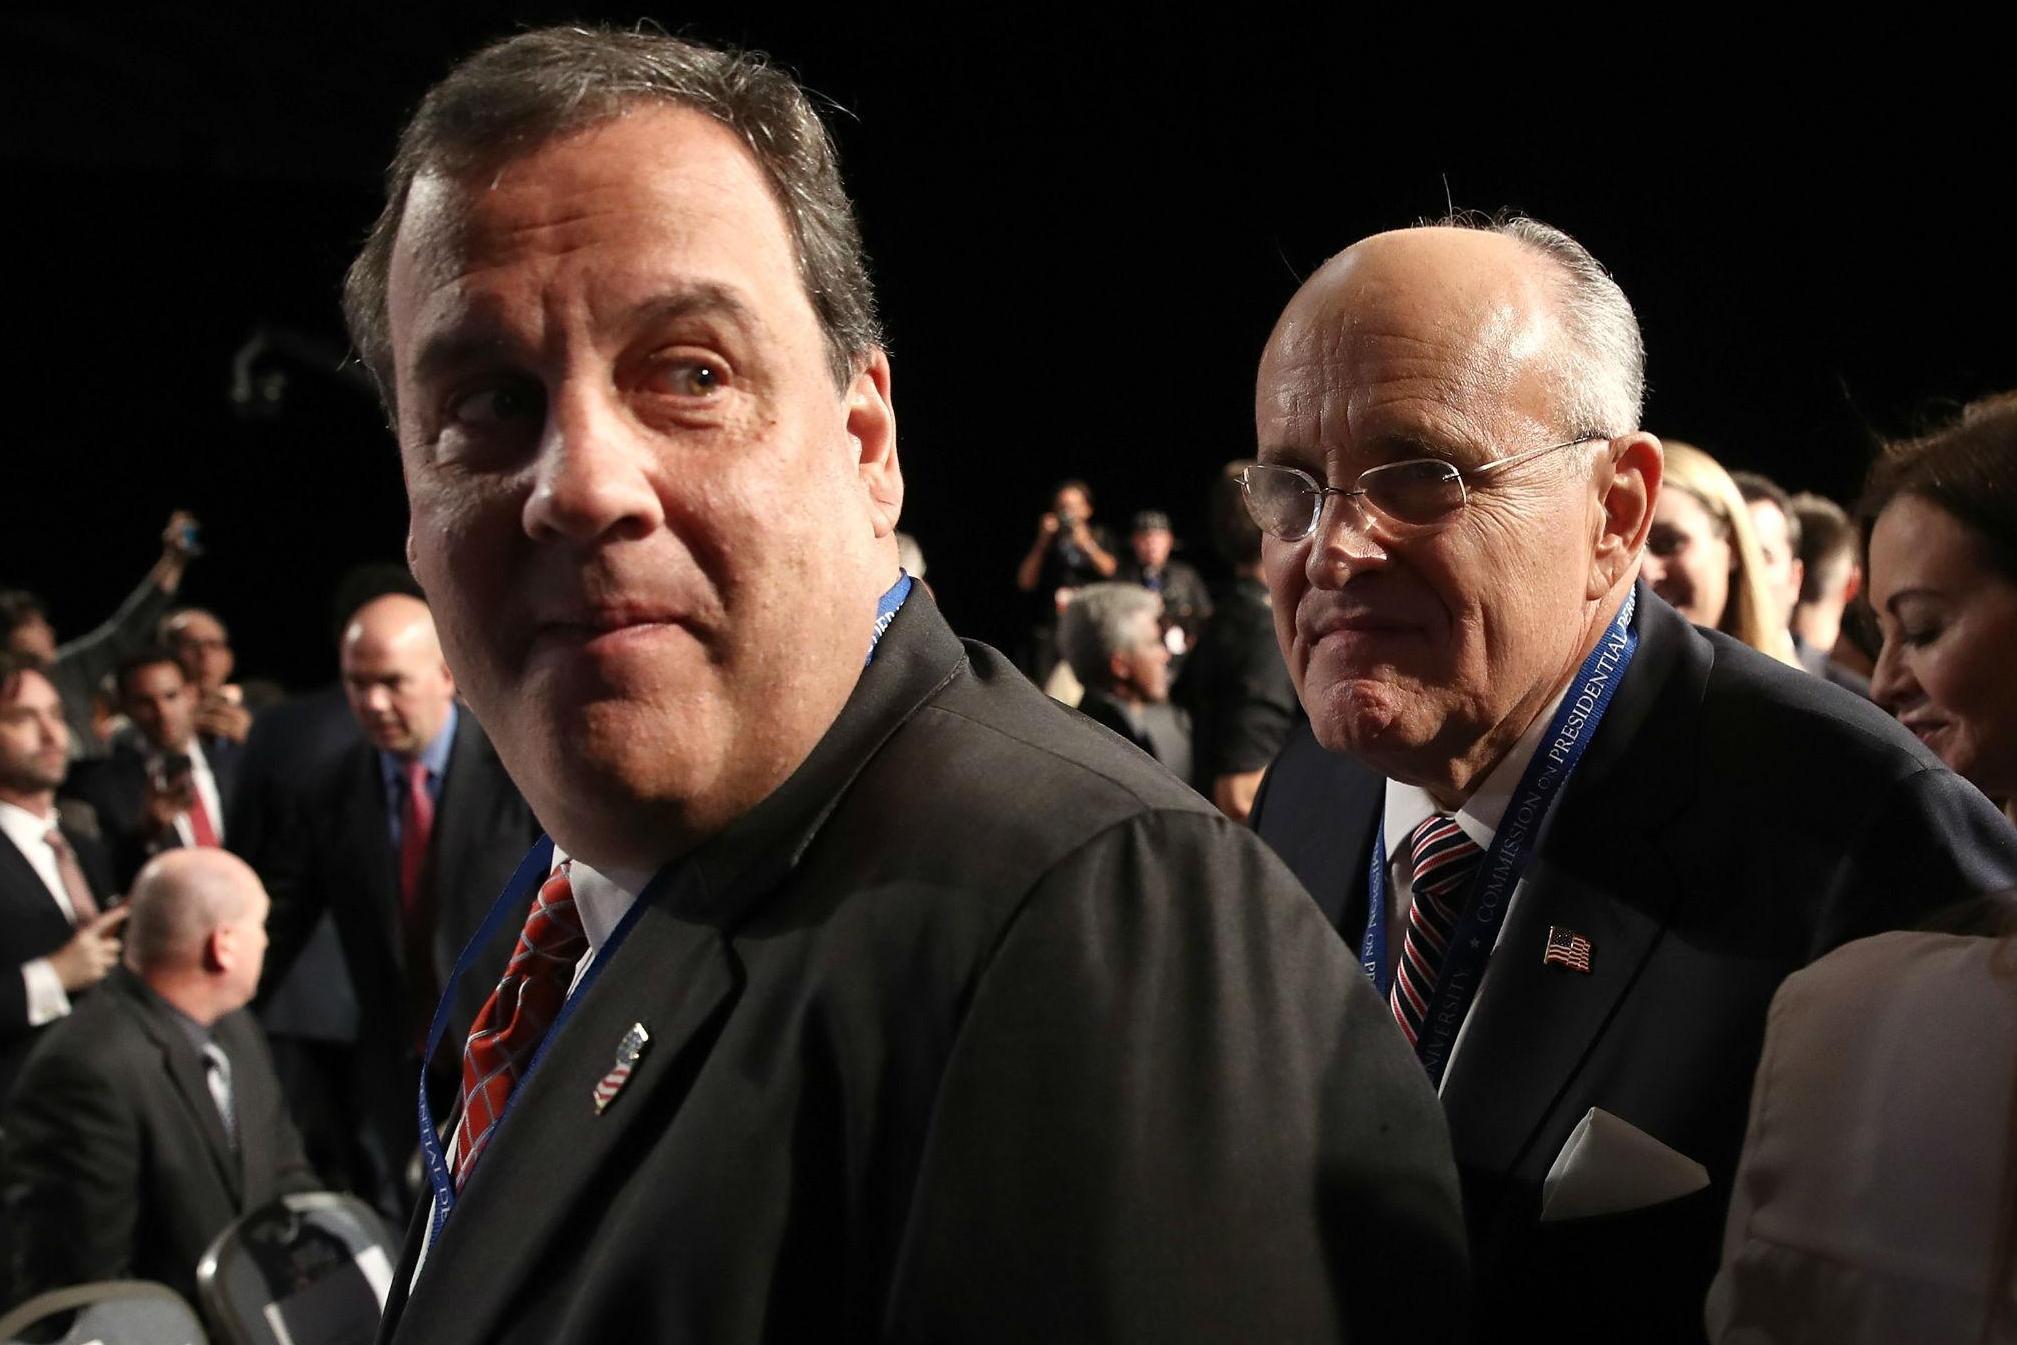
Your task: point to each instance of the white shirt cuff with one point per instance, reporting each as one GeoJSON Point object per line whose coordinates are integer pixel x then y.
{"type": "Point", "coordinates": [46, 1000]}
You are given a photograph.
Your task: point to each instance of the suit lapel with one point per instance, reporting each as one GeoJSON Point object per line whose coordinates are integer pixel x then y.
{"type": "Point", "coordinates": [466, 801]}
{"type": "Point", "coordinates": [185, 1070]}
{"type": "Point", "coordinates": [1606, 868]}
{"type": "Point", "coordinates": [371, 864]}
{"type": "Point", "coordinates": [555, 1160]}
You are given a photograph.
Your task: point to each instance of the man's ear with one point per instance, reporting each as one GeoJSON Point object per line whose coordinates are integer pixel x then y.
{"type": "Point", "coordinates": [1119, 670]}
{"type": "Point", "coordinates": [1626, 484]}
{"type": "Point", "coordinates": [871, 430]}
{"type": "Point", "coordinates": [217, 950]}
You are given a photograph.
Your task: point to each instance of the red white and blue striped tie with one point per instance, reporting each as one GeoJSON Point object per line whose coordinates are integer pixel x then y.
{"type": "Point", "coordinates": [516, 1016]}
{"type": "Point", "coordinates": [1442, 859]}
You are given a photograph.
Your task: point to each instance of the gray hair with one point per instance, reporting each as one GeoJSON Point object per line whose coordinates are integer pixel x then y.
{"type": "Point", "coordinates": [1100, 622]}
{"type": "Point", "coordinates": [1603, 381]}
{"type": "Point", "coordinates": [514, 96]}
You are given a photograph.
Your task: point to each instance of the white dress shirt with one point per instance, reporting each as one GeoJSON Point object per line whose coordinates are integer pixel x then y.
{"type": "Point", "coordinates": [47, 1000]}
{"type": "Point", "coordinates": [1408, 806]}
{"type": "Point", "coordinates": [206, 789]}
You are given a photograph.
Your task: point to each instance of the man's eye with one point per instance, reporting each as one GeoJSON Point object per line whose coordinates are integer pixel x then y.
{"type": "Point", "coordinates": [497, 404]}
{"type": "Point", "coordinates": [688, 378]}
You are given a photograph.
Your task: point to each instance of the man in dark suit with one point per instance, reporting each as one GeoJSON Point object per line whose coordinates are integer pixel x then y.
{"type": "Point", "coordinates": [408, 841]}
{"type": "Point", "coordinates": [149, 1119]}
{"type": "Point", "coordinates": [162, 785]}
{"type": "Point", "coordinates": [58, 927]}
{"type": "Point", "coordinates": [1608, 835]}
{"type": "Point", "coordinates": [863, 992]}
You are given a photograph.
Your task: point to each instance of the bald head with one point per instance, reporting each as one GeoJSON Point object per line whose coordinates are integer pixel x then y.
{"type": "Point", "coordinates": [399, 685]}
{"type": "Point", "coordinates": [180, 900]}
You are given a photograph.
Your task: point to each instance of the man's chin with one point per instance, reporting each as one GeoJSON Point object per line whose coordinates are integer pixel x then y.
{"type": "Point", "coordinates": [1377, 722]}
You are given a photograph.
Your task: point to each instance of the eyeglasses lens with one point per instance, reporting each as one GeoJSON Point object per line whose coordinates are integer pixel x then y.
{"type": "Point", "coordinates": [1417, 493]}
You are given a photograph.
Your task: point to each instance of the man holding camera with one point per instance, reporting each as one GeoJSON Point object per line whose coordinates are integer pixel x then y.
{"type": "Point", "coordinates": [161, 786]}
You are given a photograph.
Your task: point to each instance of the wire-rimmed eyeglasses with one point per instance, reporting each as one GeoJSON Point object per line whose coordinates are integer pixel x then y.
{"type": "Point", "coordinates": [1414, 497]}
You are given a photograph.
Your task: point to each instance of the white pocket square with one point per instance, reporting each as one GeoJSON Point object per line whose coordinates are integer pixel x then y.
{"type": "Point", "coordinates": [1610, 1166]}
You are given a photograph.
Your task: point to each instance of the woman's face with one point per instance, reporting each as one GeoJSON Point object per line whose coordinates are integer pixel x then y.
{"type": "Point", "coordinates": [1688, 557]}
{"type": "Point", "coordinates": [1949, 666]}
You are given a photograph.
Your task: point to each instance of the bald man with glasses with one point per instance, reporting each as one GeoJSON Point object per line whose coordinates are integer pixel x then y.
{"type": "Point", "coordinates": [1572, 839]}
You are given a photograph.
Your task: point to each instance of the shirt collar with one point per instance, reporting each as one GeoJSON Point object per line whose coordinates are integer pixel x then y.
{"type": "Point", "coordinates": [1408, 806]}
{"type": "Point", "coordinates": [23, 827]}
{"type": "Point", "coordinates": [602, 897]}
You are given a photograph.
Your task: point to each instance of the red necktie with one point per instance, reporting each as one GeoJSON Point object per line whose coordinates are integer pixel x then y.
{"type": "Point", "coordinates": [416, 829]}
{"type": "Point", "coordinates": [1442, 859]}
{"type": "Point", "coordinates": [75, 886]}
{"type": "Point", "coordinates": [416, 904]}
{"type": "Point", "coordinates": [516, 1016]}
{"type": "Point", "coordinates": [199, 817]}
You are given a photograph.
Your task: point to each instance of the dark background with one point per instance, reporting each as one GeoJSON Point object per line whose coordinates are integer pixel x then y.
{"type": "Point", "coordinates": [1082, 228]}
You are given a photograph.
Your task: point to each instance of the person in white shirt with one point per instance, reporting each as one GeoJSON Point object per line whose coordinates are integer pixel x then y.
{"type": "Point", "coordinates": [57, 922]}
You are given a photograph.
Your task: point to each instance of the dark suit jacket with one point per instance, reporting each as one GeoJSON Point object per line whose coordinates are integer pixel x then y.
{"type": "Point", "coordinates": [117, 1161]}
{"type": "Point", "coordinates": [980, 1028]}
{"type": "Point", "coordinates": [32, 925]}
{"type": "Point", "coordinates": [341, 861]}
{"type": "Point", "coordinates": [115, 786]}
{"type": "Point", "coordinates": [1241, 701]}
{"type": "Point", "coordinates": [1732, 820]}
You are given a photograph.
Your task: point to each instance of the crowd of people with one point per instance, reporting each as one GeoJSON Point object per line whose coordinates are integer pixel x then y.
{"type": "Point", "coordinates": [1554, 886]}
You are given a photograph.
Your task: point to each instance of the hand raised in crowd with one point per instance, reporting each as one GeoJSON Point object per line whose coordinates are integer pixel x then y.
{"type": "Point", "coordinates": [91, 953]}
{"type": "Point", "coordinates": [220, 715]}
{"type": "Point", "coordinates": [178, 538]}
{"type": "Point", "coordinates": [165, 797]}
{"type": "Point", "coordinates": [1047, 526]}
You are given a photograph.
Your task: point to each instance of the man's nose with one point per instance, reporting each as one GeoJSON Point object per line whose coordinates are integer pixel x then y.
{"type": "Point", "coordinates": [1344, 543]}
{"type": "Point", "coordinates": [598, 470]}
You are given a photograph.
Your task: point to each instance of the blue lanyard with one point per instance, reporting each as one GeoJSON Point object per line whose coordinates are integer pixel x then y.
{"type": "Point", "coordinates": [532, 871]}
{"type": "Point", "coordinates": [1491, 888]}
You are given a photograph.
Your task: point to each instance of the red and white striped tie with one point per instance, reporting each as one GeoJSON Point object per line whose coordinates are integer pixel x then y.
{"type": "Point", "coordinates": [1442, 859]}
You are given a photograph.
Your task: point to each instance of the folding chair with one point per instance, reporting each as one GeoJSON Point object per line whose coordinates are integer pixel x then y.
{"type": "Point", "coordinates": [308, 1269]}
{"type": "Point", "coordinates": [112, 1312]}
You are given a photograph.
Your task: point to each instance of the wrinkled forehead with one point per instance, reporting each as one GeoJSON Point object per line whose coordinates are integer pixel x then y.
{"type": "Point", "coordinates": [27, 689]}
{"type": "Point", "coordinates": [1431, 333]}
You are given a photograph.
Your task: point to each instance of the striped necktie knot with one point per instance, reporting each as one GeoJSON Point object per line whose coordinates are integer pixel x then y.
{"type": "Point", "coordinates": [1441, 861]}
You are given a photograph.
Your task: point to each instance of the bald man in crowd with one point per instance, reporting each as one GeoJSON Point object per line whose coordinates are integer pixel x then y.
{"type": "Point", "coordinates": [149, 1119]}
{"type": "Point", "coordinates": [1576, 841]}
{"type": "Point", "coordinates": [406, 843]}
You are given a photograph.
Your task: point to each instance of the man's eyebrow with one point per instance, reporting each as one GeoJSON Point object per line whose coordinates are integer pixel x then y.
{"type": "Point", "coordinates": [483, 338]}
{"type": "Point", "coordinates": [699, 300]}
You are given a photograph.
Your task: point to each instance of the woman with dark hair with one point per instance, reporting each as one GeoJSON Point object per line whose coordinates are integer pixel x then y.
{"type": "Point", "coordinates": [1939, 519]}
{"type": "Point", "coordinates": [1876, 1199]}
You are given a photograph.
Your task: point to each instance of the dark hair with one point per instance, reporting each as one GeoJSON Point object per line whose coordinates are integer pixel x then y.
{"type": "Point", "coordinates": [11, 667]}
{"type": "Point", "coordinates": [1967, 467]}
{"type": "Point", "coordinates": [18, 607]}
{"type": "Point", "coordinates": [1235, 535]}
{"type": "Point", "coordinates": [1826, 538]}
{"type": "Point", "coordinates": [514, 96]}
{"type": "Point", "coordinates": [142, 658]}
{"type": "Point", "coordinates": [1756, 486]}
{"type": "Point", "coordinates": [1073, 483]}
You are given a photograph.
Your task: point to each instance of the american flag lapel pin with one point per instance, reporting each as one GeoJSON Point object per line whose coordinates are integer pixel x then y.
{"type": "Point", "coordinates": [627, 1051]}
{"type": "Point", "coordinates": [1567, 948]}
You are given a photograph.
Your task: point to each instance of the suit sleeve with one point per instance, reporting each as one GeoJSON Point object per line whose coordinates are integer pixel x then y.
{"type": "Point", "coordinates": [1934, 844]}
{"type": "Point", "coordinates": [88, 658]}
{"type": "Point", "coordinates": [1176, 1111]}
{"type": "Point", "coordinates": [73, 1174]}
